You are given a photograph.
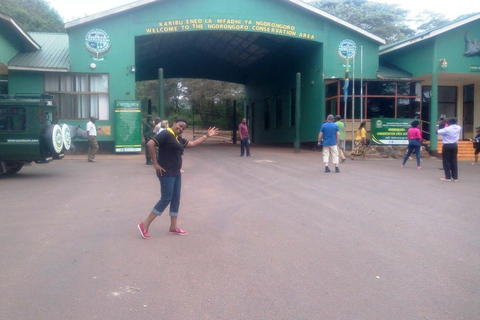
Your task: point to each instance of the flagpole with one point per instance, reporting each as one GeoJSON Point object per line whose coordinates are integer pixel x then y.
{"type": "Point", "coordinates": [353, 97]}
{"type": "Point", "coordinates": [361, 83]}
{"type": "Point", "coordinates": [345, 92]}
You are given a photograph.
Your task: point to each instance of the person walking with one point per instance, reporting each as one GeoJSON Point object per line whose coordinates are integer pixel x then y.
{"type": "Point", "coordinates": [341, 140]}
{"type": "Point", "coordinates": [451, 134]}
{"type": "Point", "coordinates": [414, 136]}
{"type": "Point", "coordinates": [147, 135]}
{"type": "Point", "coordinates": [167, 164]}
{"type": "Point", "coordinates": [476, 145]}
{"type": "Point", "coordinates": [328, 137]}
{"type": "Point", "coordinates": [360, 143]}
{"type": "Point", "coordinates": [92, 139]}
{"type": "Point", "coordinates": [244, 138]}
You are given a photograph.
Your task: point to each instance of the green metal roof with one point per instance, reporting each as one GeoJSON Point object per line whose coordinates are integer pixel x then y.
{"type": "Point", "coordinates": [53, 55]}
{"type": "Point", "coordinates": [390, 72]}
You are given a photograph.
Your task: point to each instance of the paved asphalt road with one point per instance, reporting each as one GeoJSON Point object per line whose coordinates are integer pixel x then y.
{"type": "Point", "coordinates": [270, 237]}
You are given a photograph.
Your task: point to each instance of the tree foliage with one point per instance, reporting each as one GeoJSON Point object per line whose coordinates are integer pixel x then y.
{"type": "Point", "coordinates": [33, 15]}
{"type": "Point", "coordinates": [384, 20]}
{"type": "Point", "coordinates": [427, 20]}
{"type": "Point", "coordinates": [204, 102]}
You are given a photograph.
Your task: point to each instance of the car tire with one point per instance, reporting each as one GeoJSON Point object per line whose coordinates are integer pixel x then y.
{"type": "Point", "coordinates": [14, 169]}
{"type": "Point", "coordinates": [67, 138]}
{"type": "Point", "coordinates": [10, 168]}
{"type": "Point", "coordinates": [54, 138]}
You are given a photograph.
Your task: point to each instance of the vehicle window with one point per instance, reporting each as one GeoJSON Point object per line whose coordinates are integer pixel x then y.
{"type": "Point", "coordinates": [12, 119]}
{"type": "Point", "coordinates": [3, 119]}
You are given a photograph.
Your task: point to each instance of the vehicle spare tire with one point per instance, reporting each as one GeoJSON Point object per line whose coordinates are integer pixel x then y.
{"type": "Point", "coordinates": [67, 138]}
{"type": "Point", "coordinates": [54, 138]}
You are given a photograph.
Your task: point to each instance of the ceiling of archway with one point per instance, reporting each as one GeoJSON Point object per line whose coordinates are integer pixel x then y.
{"type": "Point", "coordinates": [219, 55]}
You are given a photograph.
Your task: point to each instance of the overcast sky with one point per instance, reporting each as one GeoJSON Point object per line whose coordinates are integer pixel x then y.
{"type": "Point", "coordinates": [74, 9]}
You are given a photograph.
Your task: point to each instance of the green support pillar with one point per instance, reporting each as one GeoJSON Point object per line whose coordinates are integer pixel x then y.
{"type": "Point", "coordinates": [234, 124]}
{"type": "Point", "coordinates": [434, 100]}
{"type": "Point", "coordinates": [298, 100]}
{"type": "Point", "coordinates": [161, 95]}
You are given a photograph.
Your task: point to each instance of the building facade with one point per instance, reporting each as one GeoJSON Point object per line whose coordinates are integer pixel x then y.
{"type": "Point", "coordinates": [291, 57]}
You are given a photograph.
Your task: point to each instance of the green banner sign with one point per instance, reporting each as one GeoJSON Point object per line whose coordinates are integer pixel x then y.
{"type": "Point", "coordinates": [128, 125]}
{"type": "Point", "coordinates": [390, 131]}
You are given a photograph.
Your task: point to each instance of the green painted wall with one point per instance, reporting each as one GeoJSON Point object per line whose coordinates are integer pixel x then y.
{"type": "Point", "coordinates": [7, 49]}
{"type": "Point", "coordinates": [312, 31]}
{"type": "Point", "coordinates": [25, 82]}
{"type": "Point", "coordinates": [417, 58]}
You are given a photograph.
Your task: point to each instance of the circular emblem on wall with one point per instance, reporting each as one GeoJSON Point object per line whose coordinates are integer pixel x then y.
{"type": "Point", "coordinates": [347, 49]}
{"type": "Point", "coordinates": [97, 42]}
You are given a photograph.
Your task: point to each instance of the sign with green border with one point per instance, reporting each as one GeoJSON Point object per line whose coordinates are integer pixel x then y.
{"type": "Point", "coordinates": [128, 125]}
{"type": "Point", "coordinates": [390, 131]}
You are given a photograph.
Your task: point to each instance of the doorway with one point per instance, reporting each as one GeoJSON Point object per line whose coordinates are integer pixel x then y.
{"type": "Point", "coordinates": [467, 126]}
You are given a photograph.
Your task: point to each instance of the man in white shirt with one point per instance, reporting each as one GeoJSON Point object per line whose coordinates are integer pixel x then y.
{"type": "Point", "coordinates": [92, 139]}
{"type": "Point", "coordinates": [451, 134]}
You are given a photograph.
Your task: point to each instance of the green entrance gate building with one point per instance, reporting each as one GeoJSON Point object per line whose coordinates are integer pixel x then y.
{"type": "Point", "coordinates": [291, 57]}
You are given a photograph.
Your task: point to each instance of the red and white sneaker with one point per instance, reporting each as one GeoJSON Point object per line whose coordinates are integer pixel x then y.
{"type": "Point", "coordinates": [178, 231]}
{"type": "Point", "coordinates": [143, 232]}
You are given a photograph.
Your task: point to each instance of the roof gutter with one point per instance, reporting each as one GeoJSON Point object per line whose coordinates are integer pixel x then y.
{"type": "Point", "coordinates": [20, 30]}
{"type": "Point", "coordinates": [38, 69]}
{"type": "Point", "coordinates": [296, 2]}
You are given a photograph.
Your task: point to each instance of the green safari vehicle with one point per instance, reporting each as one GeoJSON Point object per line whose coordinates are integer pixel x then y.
{"type": "Point", "coordinates": [29, 131]}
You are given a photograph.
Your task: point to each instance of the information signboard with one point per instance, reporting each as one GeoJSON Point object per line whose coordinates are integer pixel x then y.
{"type": "Point", "coordinates": [128, 126]}
{"type": "Point", "coordinates": [389, 131]}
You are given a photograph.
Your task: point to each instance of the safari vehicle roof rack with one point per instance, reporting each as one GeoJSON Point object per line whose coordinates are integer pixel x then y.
{"type": "Point", "coordinates": [39, 96]}
{"type": "Point", "coordinates": [43, 96]}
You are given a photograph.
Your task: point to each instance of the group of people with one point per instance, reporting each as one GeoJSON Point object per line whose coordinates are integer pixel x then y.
{"type": "Point", "coordinates": [332, 138]}
{"type": "Point", "coordinates": [165, 147]}
{"type": "Point", "coordinates": [450, 132]}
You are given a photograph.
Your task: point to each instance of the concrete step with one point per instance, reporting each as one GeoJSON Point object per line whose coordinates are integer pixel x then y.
{"type": "Point", "coordinates": [465, 150]}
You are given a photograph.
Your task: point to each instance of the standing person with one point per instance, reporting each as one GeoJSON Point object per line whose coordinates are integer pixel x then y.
{"type": "Point", "coordinates": [148, 134]}
{"type": "Point", "coordinates": [158, 124]}
{"type": "Point", "coordinates": [328, 137]}
{"type": "Point", "coordinates": [476, 145]}
{"type": "Point", "coordinates": [360, 148]}
{"type": "Point", "coordinates": [170, 148]}
{"type": "Point", "coordinates": [92, 139]}
{"type": "Point", "coordinates": [451, 134]}
{"type": "Point", "coordinates": [414, 136]}
{"type": "Point", "coordinates": [341, 140]}
{"type": "Point", "coordinates": [244, 138]}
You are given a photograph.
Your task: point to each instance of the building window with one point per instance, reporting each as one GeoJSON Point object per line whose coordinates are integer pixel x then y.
{"type": "Point", "coordinates": [79, 96]}
{"type": "Point", "coordinates": [380, 100]}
